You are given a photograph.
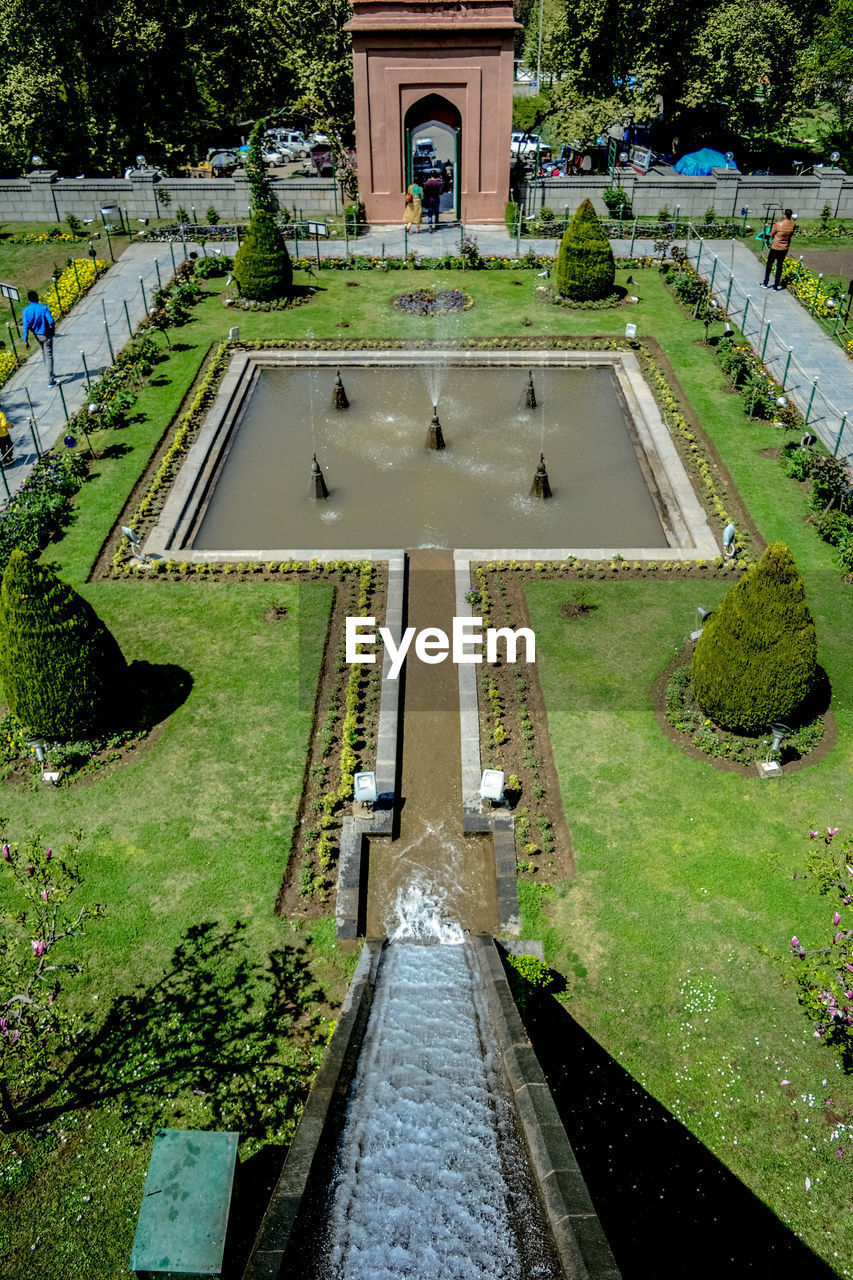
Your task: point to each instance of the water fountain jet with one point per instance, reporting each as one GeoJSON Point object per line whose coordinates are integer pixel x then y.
{"type": "Point", "coordinates": [339, 396]}
{"type": "Point", "coordinates": [530, 398]}
{"type": "Point", "coordinates": [541, 487]}
{"type": "Point", "coordinates": [318, 483]}
{"type": "Point", "coordinates": [435, 436]}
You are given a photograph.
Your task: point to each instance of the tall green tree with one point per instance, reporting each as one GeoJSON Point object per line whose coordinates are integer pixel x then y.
{"type": "Point", "coordinates": [62, 671]}
{"type": "Point", "coordinates": [756, 659]}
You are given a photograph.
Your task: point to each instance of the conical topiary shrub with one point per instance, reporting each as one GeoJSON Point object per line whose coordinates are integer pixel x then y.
{"type": "Point", "coordinates": [62, 671]}
{"type": "Point", "coordinates": [755, 661]}
{"type": "Point", "coordinates": [262, 267]}
{"type": "Point", "coordinates": [585, 266]}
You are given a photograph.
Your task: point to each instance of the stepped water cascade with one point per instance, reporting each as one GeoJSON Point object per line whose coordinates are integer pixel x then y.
{"type": "Point", "coordinates": [431, 1179]}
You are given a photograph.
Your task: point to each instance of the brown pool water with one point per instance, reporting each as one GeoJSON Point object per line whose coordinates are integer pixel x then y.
{"type": "Point", "coordinates": [388, 490]}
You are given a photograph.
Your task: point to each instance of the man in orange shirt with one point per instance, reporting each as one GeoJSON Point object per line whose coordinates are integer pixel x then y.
{"type": "Point", "coordinates": [781, 231]}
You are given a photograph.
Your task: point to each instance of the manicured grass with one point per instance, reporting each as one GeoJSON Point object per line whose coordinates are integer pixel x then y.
{"type": "Point", "coordinates": [684, 875]}
{"type": "Point", "coordinates": [195, 831]}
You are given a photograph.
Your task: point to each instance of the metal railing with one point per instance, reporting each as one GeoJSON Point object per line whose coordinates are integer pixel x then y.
{"type": "Point", "coordinates": [823, 417]}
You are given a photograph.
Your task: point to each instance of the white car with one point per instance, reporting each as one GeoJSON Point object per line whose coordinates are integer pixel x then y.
{"type": "Point", "coordinates": [277, 156]}
{"type": "Point", "coordinates": [528, 146]}
{"type": "Point", "coordinates": [319, 140]}
{"type": "Point", "coordinates": [289, 140]}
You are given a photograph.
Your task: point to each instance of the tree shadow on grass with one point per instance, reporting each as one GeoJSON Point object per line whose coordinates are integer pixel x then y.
{"type": "Point", "coordinates": [668, 1207]}
{"type": "Point", "coordinates": [155, 691]}
{"type": "Point", "coordinates": [215, 1024]}
{"type": "Point", "coordinates": [218, 1030]}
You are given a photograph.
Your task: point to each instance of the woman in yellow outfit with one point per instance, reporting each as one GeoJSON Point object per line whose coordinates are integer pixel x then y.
{"type": "Point", "coordinates": [414, 207]}
{"type": "Point", "coordinates": [6, 447]}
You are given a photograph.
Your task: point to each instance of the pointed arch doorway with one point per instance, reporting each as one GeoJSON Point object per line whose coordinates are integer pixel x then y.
{"type": "Point", "coordinates": [434, 122]}
{"type": "Point", "coordinates": [438, 69]}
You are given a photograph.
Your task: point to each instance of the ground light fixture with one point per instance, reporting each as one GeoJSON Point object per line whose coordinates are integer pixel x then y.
{"type": "Point", "coordinates": [768, 768]}
{"type": "Point", "coordinates": [364, 788]}
{"type": "Point", "coordinates": [728, 332]}
{"type": "Point", "coordinates": [630, 331]}
{"type": "Point", "coordinates": [135, 541]}
{"type": "Point", "coordinates": [492, 785]}
{"type": "Point", "coordinates": [729, 540]}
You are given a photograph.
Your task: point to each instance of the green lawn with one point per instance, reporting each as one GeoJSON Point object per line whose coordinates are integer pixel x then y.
{"type": "Point", "coordinates": [679, 867]}
{"type": "Point", "coordinates": [196, 831]}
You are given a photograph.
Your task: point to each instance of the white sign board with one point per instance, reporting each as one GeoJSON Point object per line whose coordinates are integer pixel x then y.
{"type": "Point", "coordinates": [9, 291]}
{"type": "Point", "coordinates": [317, 229]}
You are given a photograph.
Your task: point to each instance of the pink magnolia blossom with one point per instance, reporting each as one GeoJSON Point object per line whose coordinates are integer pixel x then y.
{"type": "Point", "coordinates": [839, 1152]}
{"type": "Point", "coordinates": [783, 1082]}
{"type": "Point", "coordinates": [38, 946]}
{"type": "Point", "coordinates": [4, 1025]}
{"type": "Point", "coordinates": [31, 870]}
{"type": "Point", "coordinates": [44, 895]}
{"type": "Point", "coordinates": [812, 834]}
{"type": "Point", "coordinates": [832, 831]}
{"type": "Point", "coordinates": [836, 919]}
{"type": "Point", "coordinates": [6, 852]}
{"type": "Point", "coordinates": [48, 855]}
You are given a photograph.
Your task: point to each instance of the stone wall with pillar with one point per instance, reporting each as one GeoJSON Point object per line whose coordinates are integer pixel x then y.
{"type": "Point", "coordinates": [44, 197]}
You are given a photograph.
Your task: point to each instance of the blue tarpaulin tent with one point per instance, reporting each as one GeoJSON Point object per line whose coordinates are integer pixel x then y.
{"type": "Point", "coordinates": [702, 162]}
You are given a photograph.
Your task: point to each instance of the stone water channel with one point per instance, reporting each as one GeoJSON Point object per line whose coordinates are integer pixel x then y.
{"type": "Point", "coordinates": [430, 1148]}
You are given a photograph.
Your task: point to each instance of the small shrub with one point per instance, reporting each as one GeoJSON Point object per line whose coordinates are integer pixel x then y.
{"type": "Point", "coordinates": [755, 661]}
{"type": "Point", "coordinates": [585, 269]}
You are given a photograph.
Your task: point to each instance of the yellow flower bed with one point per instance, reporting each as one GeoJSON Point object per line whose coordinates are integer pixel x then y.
{"type": "Point", "coordinates": [69, 288]}
{"type": "Point", "coordinates": [75, 280]}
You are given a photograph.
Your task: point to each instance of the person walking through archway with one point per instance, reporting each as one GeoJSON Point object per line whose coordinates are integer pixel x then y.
{"type": "Point", "coordinates": [414, 207]}
{"type": "Point", "coordinates": [781, 233]}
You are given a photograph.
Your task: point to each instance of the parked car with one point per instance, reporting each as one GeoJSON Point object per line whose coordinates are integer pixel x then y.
{"type": "Point", "coordinates": [529, 146]}
{"type": "Point", "coordinates": [289, 140]}
{"type": "Point", "coordinates": [273, 157]}
{"type": "Point", "coordinates": [319, 140]}
{"type": "Point", "coordinates": [423, 157]}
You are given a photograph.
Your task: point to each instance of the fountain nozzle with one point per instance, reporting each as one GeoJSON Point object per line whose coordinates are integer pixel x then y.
{"type": "Point", "coordinates": [318, 483]}
{"type": "Point", "coordinates": [339, 396]}
{"type": "Point", "coordinates": [530, 398]}
{"type": "Point", "coordinates": [435, 436]}
{"type": "Point", "coordinates": [541, 487]}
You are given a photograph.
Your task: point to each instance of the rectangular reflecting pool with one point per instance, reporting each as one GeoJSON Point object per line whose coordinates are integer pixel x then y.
{"type": "Point", "coordinates": [248, 485]}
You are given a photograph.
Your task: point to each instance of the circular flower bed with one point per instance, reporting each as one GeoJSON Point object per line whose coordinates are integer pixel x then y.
{"type": "Point", "coordinates": [433, 302]}
{"type": "Point", "coordinates": [684, 714]}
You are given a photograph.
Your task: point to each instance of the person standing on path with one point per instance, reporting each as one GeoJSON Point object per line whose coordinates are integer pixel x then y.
{"type": "Point", "coordinates": [7, 449]}
{"type": "Point", "coordinates": [38, 321]}
{"type": "Point", "coordinates": [781, 233]}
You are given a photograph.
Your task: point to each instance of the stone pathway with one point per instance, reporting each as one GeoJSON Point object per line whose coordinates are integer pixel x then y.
{"type": "Point", "coordinates": [117, 296]}
{"type": "Point", "coordinates": [814, 370]}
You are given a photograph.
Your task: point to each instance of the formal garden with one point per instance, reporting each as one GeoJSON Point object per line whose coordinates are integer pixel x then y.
{"type": "Point", "coordinates": [666, 879]}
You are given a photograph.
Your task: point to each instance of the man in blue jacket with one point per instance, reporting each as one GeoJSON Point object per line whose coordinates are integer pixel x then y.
{"type": "Point", "coordinates": [38, 321]}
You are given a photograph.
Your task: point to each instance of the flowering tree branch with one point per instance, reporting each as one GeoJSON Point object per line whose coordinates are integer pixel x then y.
{"type": "Point", "coordinates": [825, 973]}
{"type": "Point", "coordinates": [33, 1026]}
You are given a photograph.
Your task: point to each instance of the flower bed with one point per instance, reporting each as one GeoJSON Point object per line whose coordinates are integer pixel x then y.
{"type": "Point", "coordinates": [433, 302]}
{"type": "Point", "coordinates": [684, 714]}
{"type": "Point", "coordinates": [77, 279]}
{"type": "Point", "coordinates": [39, 509]}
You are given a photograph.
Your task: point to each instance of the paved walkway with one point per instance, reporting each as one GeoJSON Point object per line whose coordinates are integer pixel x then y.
{"type": "Point", "coordinates": [774, 323]}
{"type": "Point", "coordinates": [82, 331]}
{"type": "Point", "coordinates": [817, 374]}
